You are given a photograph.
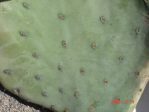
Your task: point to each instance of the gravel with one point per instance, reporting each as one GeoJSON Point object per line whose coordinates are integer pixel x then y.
{"type": "Point", "coordinates": [10, 104]}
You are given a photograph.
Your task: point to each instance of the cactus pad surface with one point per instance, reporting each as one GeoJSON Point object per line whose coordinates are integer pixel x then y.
{"type": "Point", "coordinates": [74, 55]}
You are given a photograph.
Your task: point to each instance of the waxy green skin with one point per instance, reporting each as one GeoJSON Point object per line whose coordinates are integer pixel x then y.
{"type": "Point", "coordinates": [73, 55]}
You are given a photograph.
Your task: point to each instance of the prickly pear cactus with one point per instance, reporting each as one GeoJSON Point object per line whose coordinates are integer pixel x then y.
{"type": "Point", "coordinates": [75, 55]}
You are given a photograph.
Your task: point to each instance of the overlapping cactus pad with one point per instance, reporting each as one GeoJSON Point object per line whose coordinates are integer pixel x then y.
{"type": "Point", "coordinates": [74, 55]}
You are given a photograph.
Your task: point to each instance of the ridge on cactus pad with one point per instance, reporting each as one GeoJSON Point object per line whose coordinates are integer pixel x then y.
{"type": "Point", "coordinates": [75, 55]}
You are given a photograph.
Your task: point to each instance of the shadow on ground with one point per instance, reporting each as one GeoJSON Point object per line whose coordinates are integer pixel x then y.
{"type": "Point", "coordinates": [143, 104]}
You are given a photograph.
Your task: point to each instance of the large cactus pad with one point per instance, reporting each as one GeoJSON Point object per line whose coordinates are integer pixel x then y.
{"type": "Point", "coordinates": [74, 55]}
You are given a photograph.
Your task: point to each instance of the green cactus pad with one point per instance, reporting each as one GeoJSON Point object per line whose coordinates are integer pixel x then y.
{"type": "Point", "coordinates": [75, 55]}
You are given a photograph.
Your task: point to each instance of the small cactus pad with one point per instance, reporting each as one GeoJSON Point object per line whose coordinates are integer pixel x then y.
{"type": "Point", "coordinates": [75, 55]}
